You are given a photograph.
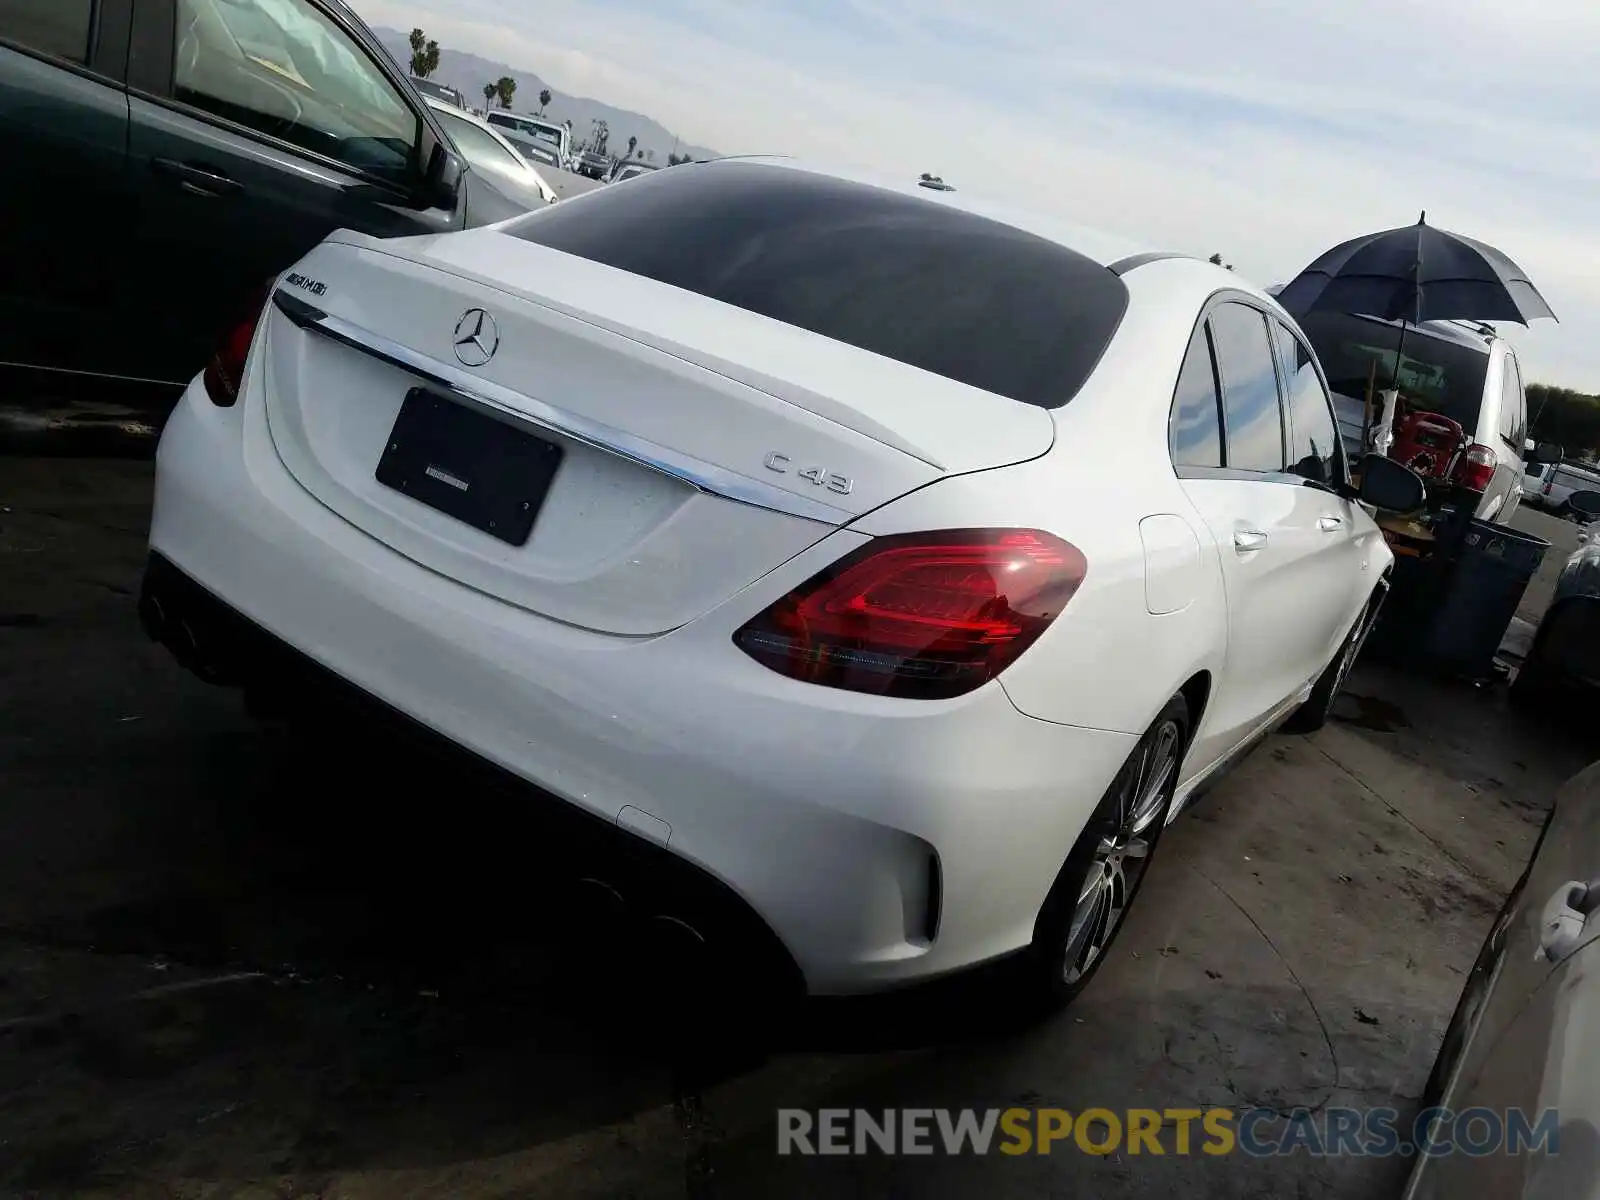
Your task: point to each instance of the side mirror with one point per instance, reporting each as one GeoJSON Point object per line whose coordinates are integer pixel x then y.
{"type": "Point", "coordinates": [442, 186]}
{"type": "Point", "coordinates": [1389, 485]}
{"type": "Point", "coordinates": [1585, 504]}
{"type": "Point", "coordinates": [1544, 452]}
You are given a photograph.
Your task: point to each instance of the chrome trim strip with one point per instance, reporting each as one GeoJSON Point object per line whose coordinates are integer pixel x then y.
{"type": "Point", "coordinates": [517, 407]}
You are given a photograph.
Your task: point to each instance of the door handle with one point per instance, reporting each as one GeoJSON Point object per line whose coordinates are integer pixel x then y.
{"type": "Point", "coordinates": [1329, 524]}
{"type": "Point", "coordinates": [196, 180]}
{"type": "Point", "coordinates": [1247, 540]}
{"type": "Point", "coordinates": [1562, 925]}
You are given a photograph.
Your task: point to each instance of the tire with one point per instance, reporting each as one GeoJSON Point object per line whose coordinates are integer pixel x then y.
{"type": "Point", "coordinates": [1313, 714]}
{"type": "Point", "coordinates": [1074, 930]}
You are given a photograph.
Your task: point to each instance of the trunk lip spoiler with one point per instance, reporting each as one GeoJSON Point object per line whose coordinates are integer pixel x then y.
{"type": "Point", "coordinates": [518, 408]}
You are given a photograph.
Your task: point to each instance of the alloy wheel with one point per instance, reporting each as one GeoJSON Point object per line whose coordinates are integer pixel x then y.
{"type": "Point", "coordinates": [1123, 853]}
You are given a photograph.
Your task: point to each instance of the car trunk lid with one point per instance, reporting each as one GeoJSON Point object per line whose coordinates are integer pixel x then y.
{"type": "Point", "coordinates": [683, 476]}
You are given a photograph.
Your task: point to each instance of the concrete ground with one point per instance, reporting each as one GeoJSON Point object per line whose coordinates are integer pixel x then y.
{"type": "Point", "coordinates": [232, 966]}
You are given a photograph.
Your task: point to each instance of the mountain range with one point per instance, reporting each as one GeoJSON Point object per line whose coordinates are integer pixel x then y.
{"type": "Point", "coordinates": [467, 73]}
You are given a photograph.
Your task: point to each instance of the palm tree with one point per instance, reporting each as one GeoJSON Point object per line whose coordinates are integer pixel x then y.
{"type": "Point", "coordinates": [489, 92]}
{"type": "Point", "coordinates": [544, 100]}
{"type": "Point", "coordinates": [505, 87]}
{"type": "Point", "coordinates": [424, 54]}
{"type": "Point", "coordinates": [632, 142]}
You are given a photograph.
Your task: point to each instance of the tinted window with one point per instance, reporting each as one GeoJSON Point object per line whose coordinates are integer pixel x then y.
{"type": "Point", "coordinates": [281, 67]}
{"type": "Point", "coordinates": [1437, 372]}
{"type": "Point", "coordinates": [912, 279]}
{"type": "Point", "coordinates": [1196, 423]}
{"type": "Point", "coordinates": [1512, 421]}
{"type": "Point", "coordinates": [1314, 448]}
{"type": "Point", "coordinates": [56, 27]}
{"type": "Point", "coordinates": [1249, 388]}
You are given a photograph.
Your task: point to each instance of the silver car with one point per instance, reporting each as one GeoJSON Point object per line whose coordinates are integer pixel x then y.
{"type": "Point", "coordinates": [1523, 1048]}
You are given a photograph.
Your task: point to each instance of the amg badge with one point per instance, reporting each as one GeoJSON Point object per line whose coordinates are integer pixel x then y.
{"type": "Point", "coordinates": [315, 286]}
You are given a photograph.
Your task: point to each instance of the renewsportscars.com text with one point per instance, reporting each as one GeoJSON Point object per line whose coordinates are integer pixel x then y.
{"type": "Point", "coordinates": [1258, 1132]}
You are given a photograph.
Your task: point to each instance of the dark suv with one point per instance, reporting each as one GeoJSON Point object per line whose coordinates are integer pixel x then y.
{"type": "Point", "coordinates": [168, 157]}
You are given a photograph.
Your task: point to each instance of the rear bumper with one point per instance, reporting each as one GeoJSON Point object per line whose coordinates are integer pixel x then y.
{"type": "Point", "coordinates": [223, 647]}
{"type": "Point", "coordinates": [876, 842]}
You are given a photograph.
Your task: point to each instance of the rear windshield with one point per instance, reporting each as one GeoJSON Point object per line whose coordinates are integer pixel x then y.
{"type": "Point", "coordinates": [914, 280]}
{"type": "Point", "coordinates": [1436, 375]}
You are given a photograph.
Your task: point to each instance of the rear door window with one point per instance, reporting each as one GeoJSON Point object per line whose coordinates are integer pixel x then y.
{"type": "Point", "coordinates": [1513, 422]}
{"type": "Point", "coordinates": [59, 28]}
{"type": "Point", "coordinates": [1315, 451]}
{"type": "Point", "coordinates": [912, 279]}
{"type": "Point", "coordinates": [1252, 415]}
{"type": "Point", "coordinates": [1195, 427]}
{"type": "Point", "coordinates": [1440, 369]}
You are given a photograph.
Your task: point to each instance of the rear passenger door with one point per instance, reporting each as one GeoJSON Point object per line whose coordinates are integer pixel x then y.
{"type": "Point", "coordinates": [258, 127]}
{"type": "Point", "coordinates": [1284, 580]}
{"type": "Point", "coordinates": [65, 207]}
{"type": "Point", "coordinates": [1349, 540]}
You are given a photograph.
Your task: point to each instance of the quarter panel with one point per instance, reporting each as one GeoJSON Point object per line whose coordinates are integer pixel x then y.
{"type": "Point", "coordinates": [1106, 662]}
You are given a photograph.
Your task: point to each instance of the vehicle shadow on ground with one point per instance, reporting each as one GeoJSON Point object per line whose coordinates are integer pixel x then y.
{"type": "Point", "coordinates": [345, 959]}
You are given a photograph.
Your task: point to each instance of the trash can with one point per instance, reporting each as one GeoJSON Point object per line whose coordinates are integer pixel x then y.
{"type": "Point", "coordinates": [1403, 619]}
{"type": "Point", "coordinates": [1482, 586]}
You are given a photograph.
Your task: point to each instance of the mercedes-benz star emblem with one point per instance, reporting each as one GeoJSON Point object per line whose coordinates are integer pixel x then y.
{"type": "Point", "coordinates": [477, 338]}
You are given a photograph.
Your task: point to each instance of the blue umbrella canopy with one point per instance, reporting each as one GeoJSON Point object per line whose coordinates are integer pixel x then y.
{"type": "Point", "coordinates": [1416, 273]}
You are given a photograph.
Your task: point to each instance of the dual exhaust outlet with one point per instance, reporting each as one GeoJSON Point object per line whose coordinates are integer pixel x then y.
{"type": "Point", "coordinates": [667, 930]}
{"type": "Point", "coordinates": [194, 652]}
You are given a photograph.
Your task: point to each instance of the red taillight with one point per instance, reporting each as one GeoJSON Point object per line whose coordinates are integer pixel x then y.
{"type": "Point", "coordinates": [922, 616]}
{"type": "Point", "coordinates": [225, 373]}
{"type": "Point", "coordinates": [1476, 468]}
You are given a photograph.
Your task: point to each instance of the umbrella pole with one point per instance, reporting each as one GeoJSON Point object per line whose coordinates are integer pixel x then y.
{"type": "Point", "coordinates": [1399, 352]}
{"type": "Point", "coordinates": [1366, 409]}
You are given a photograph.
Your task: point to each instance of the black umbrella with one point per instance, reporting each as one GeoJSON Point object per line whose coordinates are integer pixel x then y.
{"type": "Point", "coordinates": [1413, 274]}
{"type": "Point", "coordinates": [1416, 273]}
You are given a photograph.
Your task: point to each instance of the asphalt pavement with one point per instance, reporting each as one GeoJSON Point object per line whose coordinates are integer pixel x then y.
{"type": "Point", "coordinates": [235, 963]}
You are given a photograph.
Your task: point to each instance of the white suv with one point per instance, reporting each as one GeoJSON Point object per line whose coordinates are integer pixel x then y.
{"type": "Point", "coordinates": [1461, 370]}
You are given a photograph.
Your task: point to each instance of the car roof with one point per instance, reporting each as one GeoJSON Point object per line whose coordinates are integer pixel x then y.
{"type": "Point", "coordinates": [1469, 334]}
{"type": "Point", "coordinates": [444, 106]}
{"type": "Point", "coordinates": [1102, 247]}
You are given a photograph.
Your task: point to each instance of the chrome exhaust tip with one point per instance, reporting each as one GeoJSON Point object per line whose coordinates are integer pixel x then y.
{"type": "Point", "coordinates": [152, 618]}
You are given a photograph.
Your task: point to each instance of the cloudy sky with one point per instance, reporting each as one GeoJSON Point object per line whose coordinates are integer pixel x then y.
{"type": "Point", "coordinates": [1267, 130]}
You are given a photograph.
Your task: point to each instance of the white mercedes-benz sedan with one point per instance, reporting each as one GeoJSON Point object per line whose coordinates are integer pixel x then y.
{"type": "Point", "coordinates": [865, 575]}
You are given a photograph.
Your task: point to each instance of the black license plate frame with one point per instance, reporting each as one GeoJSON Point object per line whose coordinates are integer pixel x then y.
{"type": "Point", "coordinates": [476, 468]}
